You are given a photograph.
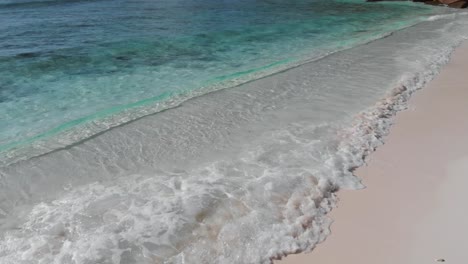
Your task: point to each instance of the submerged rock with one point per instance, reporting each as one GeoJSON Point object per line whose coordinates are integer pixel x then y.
{"type": "Point", "coordinates": [459, 4]}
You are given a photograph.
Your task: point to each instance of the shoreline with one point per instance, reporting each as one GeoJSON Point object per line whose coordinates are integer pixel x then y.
{"type": "Point", "coordinates": [280, 126]}
{"type": "Point", "coordinates": [403, 216]}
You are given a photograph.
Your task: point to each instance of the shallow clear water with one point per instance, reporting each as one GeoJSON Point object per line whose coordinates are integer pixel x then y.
{"type": "Point", "coordinates": [65, 63]}
{"type": "Point", "coordinates": [240, 175]}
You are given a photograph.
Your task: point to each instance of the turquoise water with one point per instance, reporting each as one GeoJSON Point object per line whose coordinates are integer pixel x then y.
{"type": "Point", "coordinates": [68, 63]}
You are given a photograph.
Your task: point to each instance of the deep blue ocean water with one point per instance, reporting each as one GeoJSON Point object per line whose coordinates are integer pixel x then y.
{"type": "Point", "coordinates": [66, 63]}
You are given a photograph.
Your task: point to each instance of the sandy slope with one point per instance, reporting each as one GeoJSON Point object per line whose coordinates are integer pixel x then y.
{"type": "Point", "coordinates": [415, 207]}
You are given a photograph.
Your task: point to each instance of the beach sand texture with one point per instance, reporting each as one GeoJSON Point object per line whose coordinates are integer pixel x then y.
{"type": "Point", "coordinates": [414, 207]}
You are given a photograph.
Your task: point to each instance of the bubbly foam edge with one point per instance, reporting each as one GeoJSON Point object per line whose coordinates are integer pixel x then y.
{"type": "Point", "coordinates": [373, 125]}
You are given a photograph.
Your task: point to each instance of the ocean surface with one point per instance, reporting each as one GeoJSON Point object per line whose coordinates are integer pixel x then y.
{"type": "Point", "coordinates": [196, 131]}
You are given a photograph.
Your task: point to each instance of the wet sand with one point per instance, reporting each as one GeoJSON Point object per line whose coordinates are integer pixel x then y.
{"type": "Point", "coordinates": [414, 209]}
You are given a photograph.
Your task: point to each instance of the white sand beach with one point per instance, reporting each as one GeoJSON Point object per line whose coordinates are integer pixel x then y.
{"type": "Point", "coordinates": [414, 207]}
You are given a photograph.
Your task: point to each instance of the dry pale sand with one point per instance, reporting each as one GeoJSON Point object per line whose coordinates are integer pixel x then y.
{"type": "Point", "coordinates": [415, 207]}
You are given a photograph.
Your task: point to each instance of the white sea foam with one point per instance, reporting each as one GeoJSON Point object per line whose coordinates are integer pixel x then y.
{"type": "Point", "coordinates": [256, 172]}
{"type": "Point", "coordinates": [447, 16]}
